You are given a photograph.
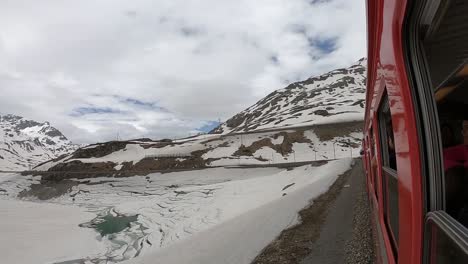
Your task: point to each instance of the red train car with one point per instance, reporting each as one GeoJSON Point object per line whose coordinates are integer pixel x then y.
{"type": "Point", "coordinates": [416, 129]}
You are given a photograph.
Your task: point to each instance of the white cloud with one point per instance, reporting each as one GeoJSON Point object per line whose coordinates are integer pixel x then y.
{"type": "Point", "coordinates": [197, 60]}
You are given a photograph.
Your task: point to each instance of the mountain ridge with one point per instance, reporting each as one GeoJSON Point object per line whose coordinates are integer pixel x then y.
{"type": "Point", "coordinates": [25, 143]}
{"type": "Point", "coordinates": [310, 100]}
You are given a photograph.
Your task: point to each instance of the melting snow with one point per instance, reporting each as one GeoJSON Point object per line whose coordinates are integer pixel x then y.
{"type": "Point", "coordinates": [178, 212]}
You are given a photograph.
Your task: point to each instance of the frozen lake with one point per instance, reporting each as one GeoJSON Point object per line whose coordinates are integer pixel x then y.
{"type": "Point", "coordinates": [204, 214]}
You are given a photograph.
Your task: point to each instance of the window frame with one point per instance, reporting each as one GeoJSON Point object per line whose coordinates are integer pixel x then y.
{"type": "Point", "coordinates": [373, 166]}
{"type": "Point", "coordinates": [420, 22]}
{"type": "Point", "coordinates": [384, 109]}
{"type": "Point", "coordinates": [387, 174]}
{"type": "Point", "coordinates": [454, 231]}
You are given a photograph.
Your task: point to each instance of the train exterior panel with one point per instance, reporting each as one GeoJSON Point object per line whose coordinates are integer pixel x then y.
{"type": "Point", "coordinates": [396, 153]}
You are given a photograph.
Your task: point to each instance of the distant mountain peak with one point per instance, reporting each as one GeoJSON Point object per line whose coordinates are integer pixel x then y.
{"type": "Point", "coordinates": [25, 143]}
{"type": "Point", "coordinates": [335, 96]}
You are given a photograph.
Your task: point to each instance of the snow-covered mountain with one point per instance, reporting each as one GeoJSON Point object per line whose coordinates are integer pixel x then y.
{"type": "Point", "coordinates": [25, 143]}
{"type": "Point", "coordinates": [333, 97]}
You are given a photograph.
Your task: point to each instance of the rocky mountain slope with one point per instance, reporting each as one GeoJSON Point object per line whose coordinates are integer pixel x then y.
{"type": "Point", "coordinates": [316, 119]}
{"type": "Point", "coordinates": [25, 143]}
{"type": "Point", "coordinates": [332, 97]}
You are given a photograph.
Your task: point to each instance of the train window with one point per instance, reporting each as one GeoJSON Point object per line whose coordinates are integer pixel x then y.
{"type": "Point", "coordinates": [447, 56]}
{"type": "Point", "coordinates": [389, 170]}
{"type": "Point", "coordinates": [388, 140]}
{"type": "Point", "coordinates": [446, 244]}
{"type": "Point", "coordinates": [445, 42]}
{"type": "Point", "coordinates": [373, 163]}
{"type": "Point", "coordinates": [452, 106]}
{"type": "Point", "coordinates": [445, 38]}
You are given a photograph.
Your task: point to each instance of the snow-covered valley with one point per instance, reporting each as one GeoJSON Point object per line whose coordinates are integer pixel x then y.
{"type": "Point", "coordinates": [173, 211]}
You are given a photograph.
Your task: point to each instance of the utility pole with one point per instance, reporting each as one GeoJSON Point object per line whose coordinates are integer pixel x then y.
{"type": "Point", "coordinates": [334, 152]}
{"type": "Point", "coordinates": [350, 148]}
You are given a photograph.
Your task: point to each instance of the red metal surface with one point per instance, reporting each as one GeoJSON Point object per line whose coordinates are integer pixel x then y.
{"type": "Point", "coordinates": [386, 70]}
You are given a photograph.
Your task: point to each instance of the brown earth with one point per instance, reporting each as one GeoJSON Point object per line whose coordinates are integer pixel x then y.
{"type": "Point", "coordinates": [329, 131]}
{"type": "Point", "coordinates": [78, 169]}
{"type": "Point", "coordinates": [284, 148]}
{"type": "Point", "coordinates": [193, 162]}
{"type": "Point", "coordinates": [100, 150]}
{"type": "Point", "coordinates": [157, 145]}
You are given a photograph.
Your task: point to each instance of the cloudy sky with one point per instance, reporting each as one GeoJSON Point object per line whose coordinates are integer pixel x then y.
{"type": "Point", "coordinates": [163, 68]}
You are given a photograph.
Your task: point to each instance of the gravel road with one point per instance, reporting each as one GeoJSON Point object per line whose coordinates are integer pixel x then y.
{"type": "Point", "coordinates": [334, 229]}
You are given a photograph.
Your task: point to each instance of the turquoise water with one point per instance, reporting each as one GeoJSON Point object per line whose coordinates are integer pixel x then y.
{"type": "Point", "coordinates": [110, 224]}
{"type": "Point", "coordinates": [114, 224]}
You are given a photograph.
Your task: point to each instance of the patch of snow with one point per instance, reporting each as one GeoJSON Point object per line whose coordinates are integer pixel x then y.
{"type": "Point", "coordinates": [45, 233]}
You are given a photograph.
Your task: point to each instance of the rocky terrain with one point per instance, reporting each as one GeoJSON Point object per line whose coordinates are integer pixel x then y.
{"type": "Point", "coordinates": [269, 148]}
{"type": "Point", "coordinates": [26, 143]}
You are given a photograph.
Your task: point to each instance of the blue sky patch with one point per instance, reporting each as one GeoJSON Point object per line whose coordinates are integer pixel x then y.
{"type": "Point", "coordinates": [274, 59]}
{"type": "Point", "coordinates": [141, 104]}
{"type": "Point", "coordinates": [189, 31]}
{"type": "Point", "coordinates": [210, 125]}
{"type": "Point", "coordinates": [81, 111]}
{"type": "Point", "coordinates": [325, 45]}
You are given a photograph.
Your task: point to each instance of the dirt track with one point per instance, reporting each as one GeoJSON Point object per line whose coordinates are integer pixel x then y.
{"type": "Point", "coordinates": [334, 229]}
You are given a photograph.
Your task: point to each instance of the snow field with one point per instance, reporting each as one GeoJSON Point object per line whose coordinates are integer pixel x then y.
{"type": "Point", "coordinates": [180, 210]}
{"type": "Point", "coordinates": [252, 223]}
{"type": "Point", "coordinates": [45, 233]}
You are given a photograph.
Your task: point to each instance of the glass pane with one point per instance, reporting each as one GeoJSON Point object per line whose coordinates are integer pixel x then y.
{"type": "Point", "coordinates": [374, 173]}
{"type": "Point", "coordinates": [390, 153]}
{"type": "Point", "coordinates": [447, 55]}
{"type": "Point", "coordinates": [393, 205]}
{"type": "Point", "coordinates": [444, 250]}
